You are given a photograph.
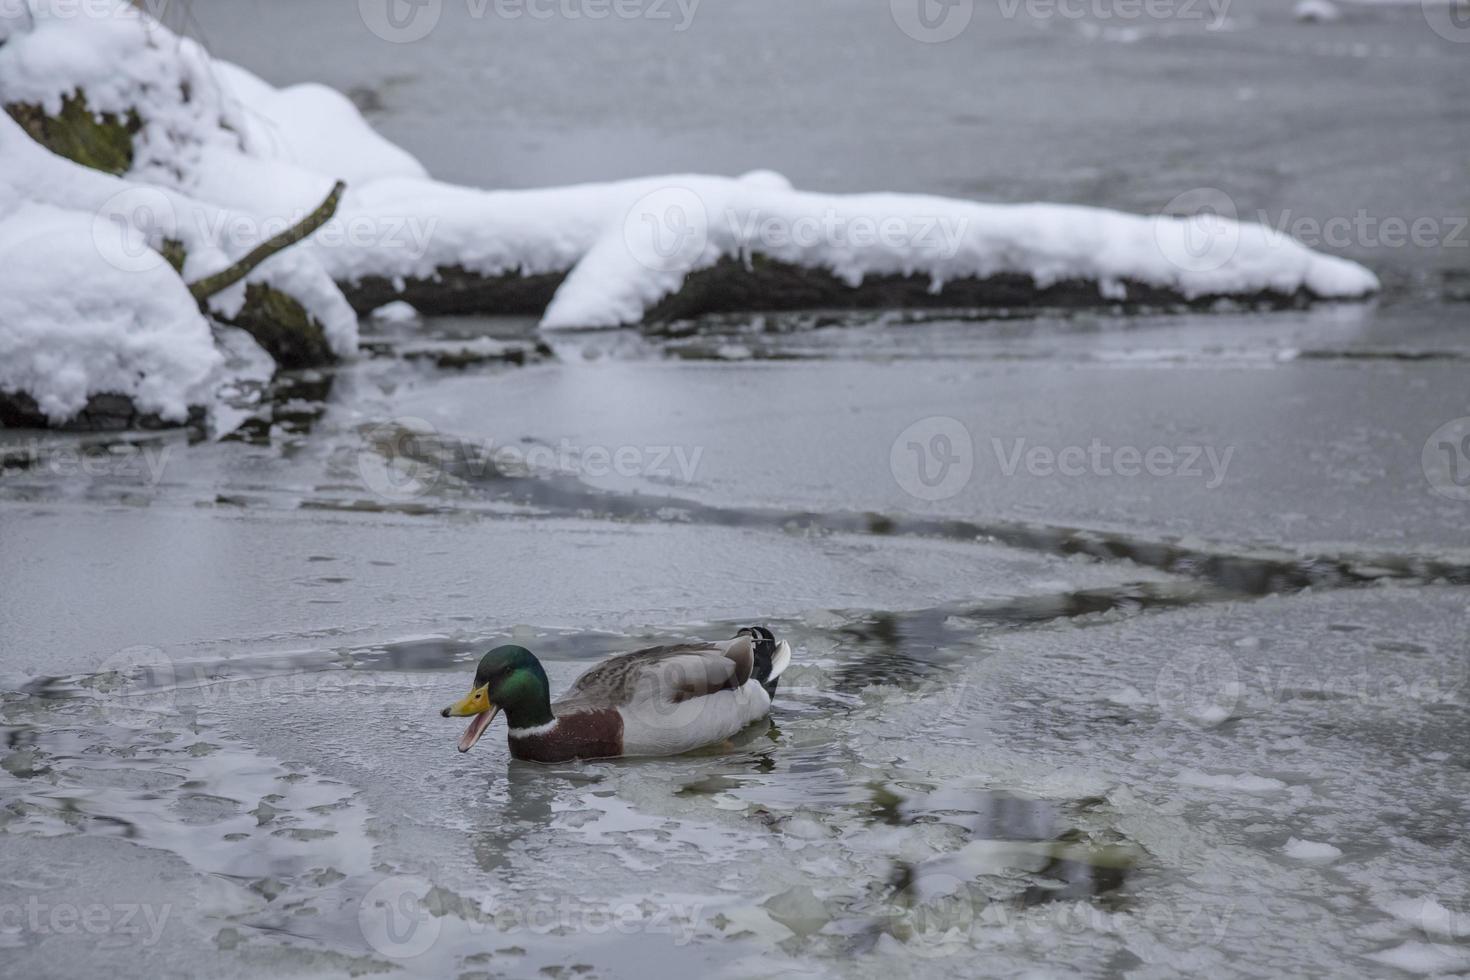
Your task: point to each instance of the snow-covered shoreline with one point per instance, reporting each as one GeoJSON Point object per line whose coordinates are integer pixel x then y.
{"type": "Point", "coordinates": [220, 160]}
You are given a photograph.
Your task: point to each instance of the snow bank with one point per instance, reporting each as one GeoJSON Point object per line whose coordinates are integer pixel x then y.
{"type": "Point", "coordinates": [223, 160]}
{"type": "Point", "coordinates": [686, 224]}
{"type": "Point", "coordinates": [124, 62]}
{"type": "Point", "coordinates": [115, 317]}
{"type": "Point", "coordinates": [312, 127]}
{"type": "Point", "coordinates": [73, 324]}
{"type": "Point", "coordinates": [630, 244]}
{"type": "Point", "coordinates": [213, 237]}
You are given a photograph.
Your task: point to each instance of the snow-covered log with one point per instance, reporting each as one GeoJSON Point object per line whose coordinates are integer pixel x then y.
{"type": "Point", "coordinates": [107, 87]}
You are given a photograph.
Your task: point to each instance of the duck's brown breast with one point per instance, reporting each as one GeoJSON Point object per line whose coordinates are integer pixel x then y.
{"type": "Point", "coordinates": [593, 734]}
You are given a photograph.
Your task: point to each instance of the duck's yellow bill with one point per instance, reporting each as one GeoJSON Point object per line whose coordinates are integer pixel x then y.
{"type": "Point", "coordinates": [476, 703]}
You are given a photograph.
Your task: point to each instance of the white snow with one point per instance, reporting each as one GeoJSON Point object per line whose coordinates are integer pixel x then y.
{"type": "Point", "coordinates": [237, 160]}
{"type": "Point", "coordinates": [631, 243]}
{"type": "Point", "coordinates": [1310, 852]}
{"type": "Point", "coordinates": [1317, 11]}
{"type": "Point", "coordinates": [1428, 913]}
{"type": "Point", "coordinates": [1243, 783]}
{"type": "Point", "coordinates": [1423, 958]}
{"type": "Point", "coordinates": [313, 127]}
{"type": "Point", "coordinates": [73, 324]}
{"type": "Point", "coordinates": [395, 312]}
{"type": "Point", "coordinates": [115, 226]}
{"type": "Point", "coordinates": [213, 237]}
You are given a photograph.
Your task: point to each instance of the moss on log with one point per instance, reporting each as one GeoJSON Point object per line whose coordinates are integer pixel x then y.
{"type": "Point", "coordinates": [455, 290]}
{"type": "Point", "coordinates": [100, 140]}
{"type": "Point", "coordinates": [767, 285]}
{"type": "Point", "coordinates": [282, 326]}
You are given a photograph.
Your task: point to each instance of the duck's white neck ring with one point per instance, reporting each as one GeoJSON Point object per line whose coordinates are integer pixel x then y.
{"type": "Point", "coordinates": [533, 730]}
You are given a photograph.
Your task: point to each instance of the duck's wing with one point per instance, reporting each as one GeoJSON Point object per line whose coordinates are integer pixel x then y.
{"type": "Point", "coordinates": [668, 674]}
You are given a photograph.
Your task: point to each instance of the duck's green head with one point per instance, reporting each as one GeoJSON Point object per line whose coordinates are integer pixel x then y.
{"type": "Point", "coordinates": [508, 679]}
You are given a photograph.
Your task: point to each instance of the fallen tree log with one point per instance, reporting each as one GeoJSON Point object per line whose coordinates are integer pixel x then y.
{"type": "Point", "coordinates": [455, 290]}
{"type": "Point", "coordinates": [764, 285]}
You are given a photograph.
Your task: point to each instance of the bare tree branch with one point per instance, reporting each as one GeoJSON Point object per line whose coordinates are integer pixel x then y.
{"type": "Point", "coordinates": [227, 277]}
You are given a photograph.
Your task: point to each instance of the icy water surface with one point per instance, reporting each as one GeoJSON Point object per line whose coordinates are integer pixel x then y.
{"type": "Point", "coordinates": [1054, 710]}
{"type": "Point", "coordinates": [1142, 727]}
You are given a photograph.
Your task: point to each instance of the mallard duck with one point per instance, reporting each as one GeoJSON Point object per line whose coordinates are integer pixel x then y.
{"type": "Point", "coordinates": [659, 701]}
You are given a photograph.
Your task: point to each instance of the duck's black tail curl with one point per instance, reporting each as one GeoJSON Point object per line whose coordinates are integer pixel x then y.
{"type": "Point", "coordinates": [771, 657]}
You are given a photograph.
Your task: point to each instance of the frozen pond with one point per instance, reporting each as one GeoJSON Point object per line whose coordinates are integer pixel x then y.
{"type": "Point", "coordinates": [1124, 645]}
